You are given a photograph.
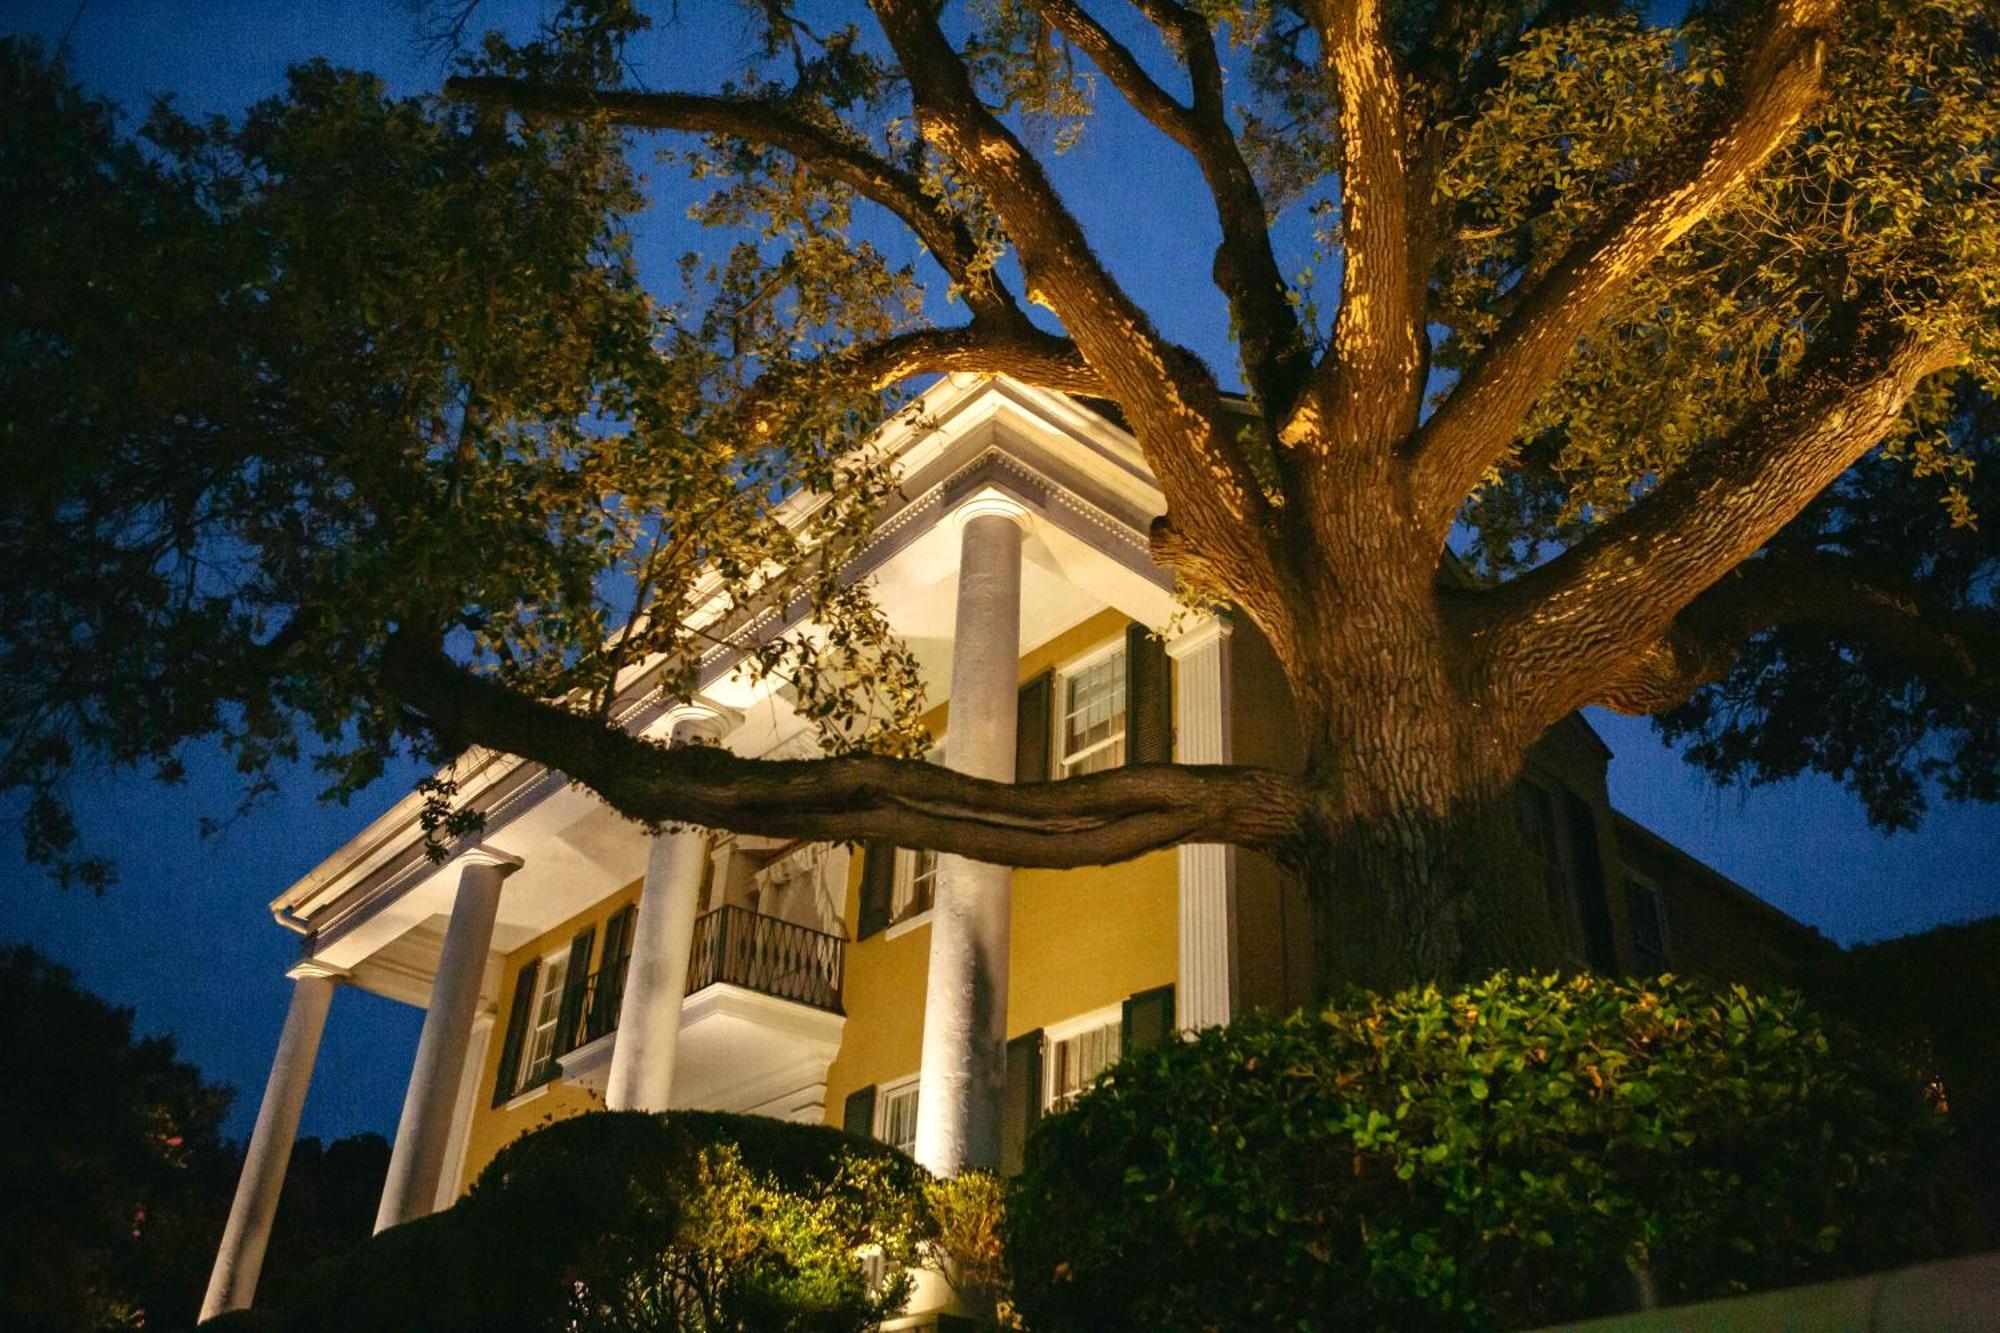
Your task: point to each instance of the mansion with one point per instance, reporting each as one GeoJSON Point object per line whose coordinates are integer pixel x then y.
{"type": "Point", "coordinates": [566, 960]}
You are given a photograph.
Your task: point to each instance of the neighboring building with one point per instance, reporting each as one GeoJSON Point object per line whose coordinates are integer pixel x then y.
{"type": "Point", "coordinates": [569, 961]}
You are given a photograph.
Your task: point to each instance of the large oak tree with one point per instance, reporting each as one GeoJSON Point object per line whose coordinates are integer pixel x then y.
{"type": "Point", "coordinates": [1655, 374]}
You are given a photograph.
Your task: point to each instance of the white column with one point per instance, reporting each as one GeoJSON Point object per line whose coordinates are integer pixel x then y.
{"type": "Point", "coordinates": [451, 1180]}
{"type": "Point", "coordinates": [232, 1284]}
{"type": "Point", "coordinates": [417, 1161]}
{"type": "Point", "coordinates": [962, 1081]}
{"type": "Point", "coordinates": [1205, 991]}
{"type": "Point", "coordinates": [649, 1014]}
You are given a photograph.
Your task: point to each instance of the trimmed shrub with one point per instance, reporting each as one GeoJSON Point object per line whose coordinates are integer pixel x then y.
{"type": "Point", "coordinates": [690, 1222]}
{"type": "Point", "coordinates": [1503, 1155]}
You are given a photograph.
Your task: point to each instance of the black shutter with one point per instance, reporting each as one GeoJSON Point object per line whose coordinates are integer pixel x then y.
{"type": "Point", "coordinates": [517, 1029]}
{"type": "Point", "coordinates": [569, 1025]}
{"type": "Point", "coordinates": [1587, 874]}
{"type": "Point", "coordinates": [858, 1116]}
{"type": "Point", "coordinates": [1149, 699]}
{"type": "Point", "coordinates": [604, 1001]}
{"type": "Point", "coordinates": [1148, 1019]}
{"type": "Point", "coordinates": [878, 889]}
{"type": "Point", "coordinates": [1034, 728]}
{"type": "Point", "coordinates": [1022, 1106]}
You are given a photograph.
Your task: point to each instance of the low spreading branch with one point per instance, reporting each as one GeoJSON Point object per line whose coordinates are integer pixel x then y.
{"type": "Point", "coordinates": [1093, 820]}
{"type": "Point", "coordinates": [1481, 418]}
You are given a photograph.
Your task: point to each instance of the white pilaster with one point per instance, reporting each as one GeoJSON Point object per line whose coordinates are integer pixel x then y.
{"type": "Point", "coordinates": [963, 1076]}
{"type": "Point", "coordinates": [649, 1014]}
{"type": "Point", "coordinates": [1205, 991]}
{"type": "Point", "coordinates": [232, 1284]}
{"type": "Point", "coordinates": [423, 1134]}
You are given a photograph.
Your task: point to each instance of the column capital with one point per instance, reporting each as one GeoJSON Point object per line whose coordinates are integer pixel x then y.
{"type": "Point", "coordinates": [990, 502]}
{"type": "Point", "coordinates": [505, 862]}
{"type": "Point", "coordinates": [313, 967]}
{"type": "Point", "coordinates": [1197, 634]}
{"type": "Point", "coordinates": [697, 720]}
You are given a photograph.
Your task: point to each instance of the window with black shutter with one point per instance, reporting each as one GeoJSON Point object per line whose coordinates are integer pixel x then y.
{"type": "Point", "coordinates": [1148, 1019]}
{"type": "Point", "coordinates": [857, 1115]}
{"type": "Point", "coordinates": [1034, 723]}
{"type": "Point", "coordinates": [878, 889]}
{"type": "Point", "coordinates": [1022, 1108]}
{"type": "Point", "coordinates": [576, 990]}
{"type": "Point", "coordinates": [518, 1014]}
{"type": "Point", "coordinates": [608, 992]}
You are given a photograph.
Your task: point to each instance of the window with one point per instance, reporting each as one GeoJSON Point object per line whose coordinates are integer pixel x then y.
{"type": "Point", "coordinates": [1649, 922]}
{"type": "Point", "coordinates": [1090, 714]}
{"type": "Point", "coordinates": [916, 871]}
{"type": "Point", "coordinates": [1076, 1053]}
{"type": "Point", "coordinates": [916, 884]}
{"type": "Point", "coordinates": [896, 1115]}
{"type": "Point", "coordinates": [1542, 828]}
{"type": "Point", "coordinates": [538, 1055]}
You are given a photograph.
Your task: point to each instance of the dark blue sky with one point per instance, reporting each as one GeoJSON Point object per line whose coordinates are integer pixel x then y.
{"type": "Point", "coordinates": [186, 939]}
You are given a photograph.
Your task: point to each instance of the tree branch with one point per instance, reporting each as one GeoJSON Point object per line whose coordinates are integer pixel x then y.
{"type": "Point", "coordinates": [1170, 396]}
{"type": "Point", "coordinates": [1561, 634]}
{"type": "Point", "coordinates": [1849, 598]}
{"type": "Point", "coordinates": [1245, 269]}
{"type": "Point", "coordinates": [1368, 388]}
{"type": "Point", "coordinates": [1102, 818]}
{"type": "Point", "coordinates": [1482, 416]}
{"type": "Point", "coordinates": [762, 121]}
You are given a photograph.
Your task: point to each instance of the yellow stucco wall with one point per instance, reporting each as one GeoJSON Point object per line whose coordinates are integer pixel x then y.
{"type": "Point", "coordinates": [494, 1127]}
{"type": "Point", "coordinates": [1082, 939]}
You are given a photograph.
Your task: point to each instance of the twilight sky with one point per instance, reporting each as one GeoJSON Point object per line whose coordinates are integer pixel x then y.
{"type": "Point", "coordinates": [186, 938]}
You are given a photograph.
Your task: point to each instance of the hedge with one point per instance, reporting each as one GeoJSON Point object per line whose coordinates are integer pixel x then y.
{"type": "Point", "coordinates": [1508, 1154]}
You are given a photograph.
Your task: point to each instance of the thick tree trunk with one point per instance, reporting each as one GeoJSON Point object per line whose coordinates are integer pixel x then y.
{"type": "Point", "coordinates": [1416, 866]}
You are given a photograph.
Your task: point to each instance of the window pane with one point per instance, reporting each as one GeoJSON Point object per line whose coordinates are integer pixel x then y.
{"type": "Point", "coordinates": [1076, 1061]}
{"type": "Point", "coordinates": [1093, 716]}
{"type": "Point", "coordinates": [899, 1118]}
{"type": "Point", "coordinates": [546, 1015]}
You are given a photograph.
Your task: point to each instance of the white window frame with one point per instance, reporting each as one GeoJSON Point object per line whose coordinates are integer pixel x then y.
{"type": "Point", "coordinates": [1634, 879]}
{"type": "Point", "coordinates": [554, 969]}
{"type": "Point", "coordinates": [1065, 764]}
{"type": "Point", "coordinates": [887, 1096]}
{"type": "Point", "coordinates": [903, 891]}
{"type": "Point", "coordinates": [1110, 1016]}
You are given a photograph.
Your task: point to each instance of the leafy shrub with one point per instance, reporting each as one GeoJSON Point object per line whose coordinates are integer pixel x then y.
{"type": "Point", "coordinates": [965, 1241]}
{"type": "Point", "coordinates": [1502, 1155]}
{"type": "Point", "coordinates": [687, 1222]}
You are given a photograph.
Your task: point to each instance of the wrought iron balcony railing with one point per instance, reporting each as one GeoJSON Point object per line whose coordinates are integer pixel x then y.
{"type": "Point", "coordinates": [731, 944]}
{"type": "Point", "coordinates": [767, 954]}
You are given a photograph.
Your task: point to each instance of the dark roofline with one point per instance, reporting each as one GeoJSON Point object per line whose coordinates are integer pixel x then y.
{"type": "Point", "coordinates": [1626, 824]}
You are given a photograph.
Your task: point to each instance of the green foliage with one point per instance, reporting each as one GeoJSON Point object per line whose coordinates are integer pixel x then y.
{"type": "Point", "coordinates": [695, 1222]}
{"type": "Point", "coordinates": [1504, 1155]}
{"type": "Point", "coordinates": [113, 1181]}
{"type": "Point", "coordinates": [277, 389]}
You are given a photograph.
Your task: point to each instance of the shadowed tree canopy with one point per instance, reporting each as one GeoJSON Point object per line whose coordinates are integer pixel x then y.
{"type": "Point", "coordinates": [1579, 359]}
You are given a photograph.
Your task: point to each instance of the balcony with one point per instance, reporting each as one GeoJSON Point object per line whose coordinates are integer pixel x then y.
{"type": "Point", "coordinates": [760, 1023]}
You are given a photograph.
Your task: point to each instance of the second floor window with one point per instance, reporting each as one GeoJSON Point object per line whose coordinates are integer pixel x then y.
{"type": "Point", "coordinates": [916, 884]}
{"type": "Point", "coordinates": [1090, 724]}
{"type": "Point", "coordinates": [539, 1052]}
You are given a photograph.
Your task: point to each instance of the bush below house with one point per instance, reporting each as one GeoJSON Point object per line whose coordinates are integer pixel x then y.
{"type": "Point", "coordinates": [689, 1222]}
{"type": "Point", "coordinates": [1509, 1154]}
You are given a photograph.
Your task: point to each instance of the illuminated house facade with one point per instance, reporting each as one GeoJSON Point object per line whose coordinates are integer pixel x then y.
{"type": "Point", "coordinates": [569, 961]}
